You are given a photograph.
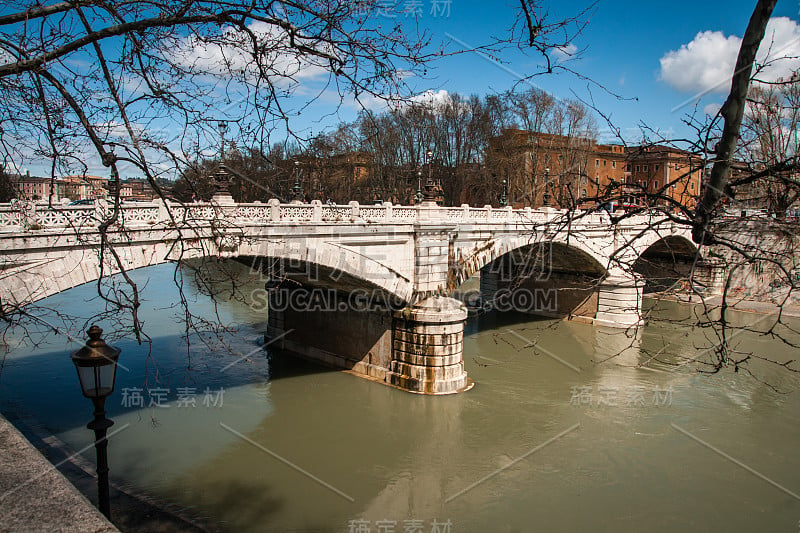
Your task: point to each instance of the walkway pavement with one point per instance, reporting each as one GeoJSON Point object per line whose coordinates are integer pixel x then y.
{"type": "Point", "coordinates": [35, 496]}
{"type": "Point", "coordinates": [37, 507]}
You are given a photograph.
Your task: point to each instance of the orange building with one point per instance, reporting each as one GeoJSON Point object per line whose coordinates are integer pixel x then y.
{"type": "Point", "coordinates": [559, 171]}
{"type": "Point", "coordinates": [541, 168]}
{"type": "Point", "coordinates": [674, 174]}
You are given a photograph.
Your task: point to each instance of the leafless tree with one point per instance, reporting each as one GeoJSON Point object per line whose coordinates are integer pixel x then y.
{"type": "Point", "coordinates": [769, 148]}
{"type": "Point", "coordinates": [141, 87]}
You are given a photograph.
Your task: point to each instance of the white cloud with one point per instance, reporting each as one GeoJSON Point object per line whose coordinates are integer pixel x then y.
{"type": "Point", "coordinates": [712, 109]}
{"type": "Point", "coordinates": [434, 99]}
{"type": "Point", "coordinates": [232, 55]}
{"type": "Point", "coordinates": [701, 64]}
{"type": "Point", "coordinates": [6, 58]}
{"type": "Point", "coordinates": [706, 63]}
{"type": "Point", "coordinates": [564, 53]}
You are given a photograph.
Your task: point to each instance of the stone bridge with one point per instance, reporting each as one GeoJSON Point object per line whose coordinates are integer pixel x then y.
{"type": "Point", "coordinates": [403, 262]}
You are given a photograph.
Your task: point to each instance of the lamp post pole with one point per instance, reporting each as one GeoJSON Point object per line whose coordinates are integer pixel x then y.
{"type": "Point", "coordinates": [222, 126]}
{"type": "Point", "coordinates": [429, 193]}
{"type": "Point", "coordinates": [96, 364]}
{"type": "Point", "coordinates": [100, 426]}
{"type": "Point", "coordinates": [297, 190]}
{"type": "Point", "coordinates": [547, 187]}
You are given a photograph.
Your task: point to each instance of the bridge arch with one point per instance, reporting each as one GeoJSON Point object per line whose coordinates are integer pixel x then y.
{"type": "Point", "coordinates": [558, 253]}
{"type": "Point", "coordinates": [48, 271]}
{"type": "Point", "coordinates": [678, 244]}
{"type": "Point", "coordinates": [329, 265]}
{"type": "Point", "coordinates": [664, 261]}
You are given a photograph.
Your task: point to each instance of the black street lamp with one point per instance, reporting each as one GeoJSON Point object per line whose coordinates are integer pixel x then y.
{"type": "Point", "coordinates": [97, 369]}
{"type": "Point", "coordinates": [504, 197]}
{"type": "Point", "coordinates": [222, 179]}
{"type": "Point", "coordinates": [418, 196]}
{"type": "Point", "coordinates": [113, 187]}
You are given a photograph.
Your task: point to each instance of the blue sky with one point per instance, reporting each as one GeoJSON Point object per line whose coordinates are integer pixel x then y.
{"type": "Point", "coordinates": [655, 55]}
{"type": "Point", "coordinates": [621, 49]}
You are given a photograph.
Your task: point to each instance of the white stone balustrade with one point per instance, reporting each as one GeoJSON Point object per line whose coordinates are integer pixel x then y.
{"type": "Point", "coordinates": [22, 216]}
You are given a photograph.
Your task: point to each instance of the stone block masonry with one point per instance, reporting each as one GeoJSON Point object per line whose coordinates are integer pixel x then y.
{"type": "Point", "coordinates": [427, 355]}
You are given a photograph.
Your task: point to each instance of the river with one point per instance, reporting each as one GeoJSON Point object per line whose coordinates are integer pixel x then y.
{"type": "Point", "coordinates": [569, 427]}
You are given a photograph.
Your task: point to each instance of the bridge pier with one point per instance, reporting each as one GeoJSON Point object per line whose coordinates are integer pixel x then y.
{"type": "Point", "coordinates": [614, 301]}
{"type": "Point", "coordinates": [428, 347]}
{"type": "Point", "coordinates": [418, 349]}
{"type": "Point", "coordinates": [332, 329]}
{"type": "Point", "coordinates": [619, 300]}
{"type": "Point", "coordinates": [709, 277]}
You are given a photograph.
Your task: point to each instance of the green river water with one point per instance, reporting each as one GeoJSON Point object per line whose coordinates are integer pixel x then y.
{"type": "Point", "coordinates": [569, 427]}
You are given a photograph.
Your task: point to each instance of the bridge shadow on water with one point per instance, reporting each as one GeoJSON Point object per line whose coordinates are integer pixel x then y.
{"type": "Point", "coordinates": [478, 321]}
{"type": "Point", "coordinates": [43, 385]}
{"type": "Point", "coordinates": [39, 393]}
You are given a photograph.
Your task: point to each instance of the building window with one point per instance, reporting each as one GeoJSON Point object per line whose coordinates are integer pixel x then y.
{"type": "Point", "coordinates": [583, 193]}
{"type": "Point", "coordinates": [656, 168]}
{"type": "Point", "coordinates": [628, 167]}
{"type": "Point", "coordinates": [613, 164]}
{"type": "Point", "coordinates": [645, 168]}
{"type": "Point", "coordinates": [655, 184]}
{"type": "Point", "coordinates": [637, 168]}
{"type": "Point", "coordinates": [597, 162]}
{"type": "Point", "coordinates": [691, 185]}
{"type": "Point", "coordinates": [604, 162]}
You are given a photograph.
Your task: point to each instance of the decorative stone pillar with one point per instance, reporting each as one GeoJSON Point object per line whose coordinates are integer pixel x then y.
{"type": "Point", "coordinates": [222, 195]}
{"type": "Point", "coordinates": [619, 301]}
{"type": "Point", "coordinates": [427, 354]}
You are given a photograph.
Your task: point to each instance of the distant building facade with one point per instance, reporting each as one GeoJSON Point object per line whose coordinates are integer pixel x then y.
{"type": "Point", "coordinates": [29, 187]}
{"type": "Point", "coordinates": [76, 188]}
{"type": "Point", "coordinates": [540, 169]}
{"type": "Point", "coordinates": [543, 169]}
{"type": "Point", "coordinates": [674, 174]}
{"type": "Point", "coordinates": [71, 188]}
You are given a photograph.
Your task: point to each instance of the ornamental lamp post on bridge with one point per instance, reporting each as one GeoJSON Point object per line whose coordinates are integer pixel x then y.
{"type": "Point", "coordinates": [504, 197]}
{"type": "Point", "coordinates": [429, 193]}
{"type": "Point", "coordinates": [546, 197]}
{"type": "Point", "coordinates": [222, 179]}
{"type": "Point", "coordinates": [297, 190]}
{"type": "Point", "coordinates": [96, 364]}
